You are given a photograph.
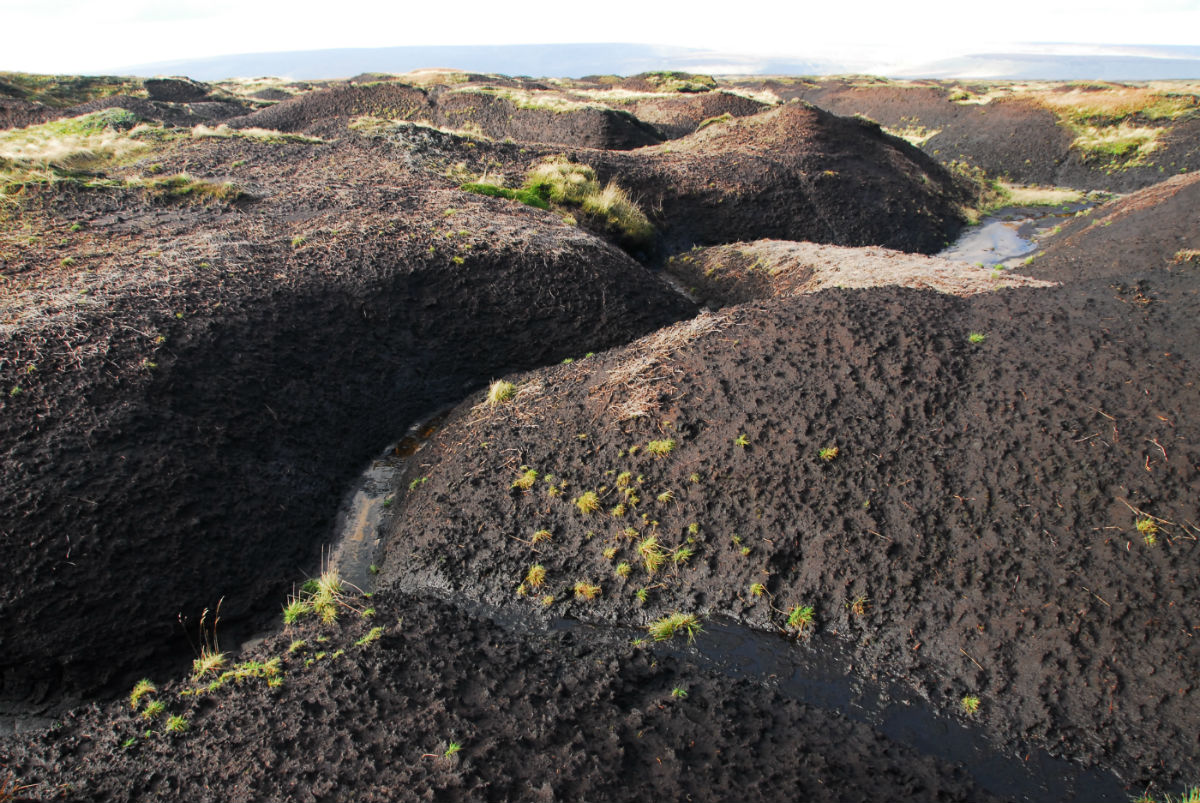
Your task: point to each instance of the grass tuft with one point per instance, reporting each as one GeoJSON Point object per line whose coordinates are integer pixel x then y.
{"type": "Point", "coordinates": [800, 617]}
{"type": "Point", "coordinates": [499, 392]}
{"type": "Point", "coordinates": [588, 502]}
{"type": "Point", "coordinates": [586, 591]}
{"type": "Point", "coordinates": [141, 689]}
{"type": "Point", "coordinates": [536, 576]}
{"type": "Point", "coordinates": [668, 627]}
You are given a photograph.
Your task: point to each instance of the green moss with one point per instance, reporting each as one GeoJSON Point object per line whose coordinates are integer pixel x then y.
{"type": "Point", "coordinates": [535, 197]}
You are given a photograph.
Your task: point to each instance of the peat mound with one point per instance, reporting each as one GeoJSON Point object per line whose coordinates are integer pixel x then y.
{"type": "Point", "coordinates": [722, 275]}
{"type": "Point", "coordinates": [1013, 131]}
{"type": "Point", "coordinates": [330, 109]}
{"type": "Point", "coordinates": [546, 117]}
{"type": "Point", "coordinates": [189, 384]}
{"type": "Point", "coordinates": [793, 173]}
{"type": "Point", "coordinates": [677, 115]}
{"type": "Point", "coordinates": [1149, 231]}
{"type": "Point", "coordinates": [177, 89]}
{"type": "Point", "coordinates": [20, 114]}
{"type": "Point", "coordinates": [991, 497]}
{"type": "Point", "coordinates": [437, 704]}
{"type": "Point", "coordinates": [495, 110]}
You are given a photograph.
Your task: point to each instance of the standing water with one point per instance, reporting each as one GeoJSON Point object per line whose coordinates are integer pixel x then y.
{"type": "Point", "coordinates": [1011, 234]}
{"type": "Point", "coordinates": [357, 529]}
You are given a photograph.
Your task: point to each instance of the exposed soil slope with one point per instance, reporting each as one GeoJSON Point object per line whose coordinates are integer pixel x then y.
{"type": "Point", "coordinates": [538, 717]}
{"type": "Point", "coordinates": [548, 118]}
{"type": "Point", "coordinates": [732, 274]}
{"type": "Point", "coordinates": [793, 173]}
{"type": "Point", "coordinates": [1152, 230]}
{"type": "Point", "coordinates": [974, 532]}
{"type": "Point", "coordinates": [188, 386]}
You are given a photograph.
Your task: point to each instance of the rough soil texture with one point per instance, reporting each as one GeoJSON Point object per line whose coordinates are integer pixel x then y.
{"type": "Point", "coordinates": [987, 494]}
{"type": "Point", "coordinates": [477, 109]}
{"type": "Point", "coordinates": [732, 274]}
{"type": "Point", "coordinates": [500, 118]}
{"type": "Point", "coordinates": [791, 173]}
{"type": "Point", "coordinates": [973, 534]}
{"type": "Point", "coordinates": [677, 115]}
{"type": "Point", "coordinates": [1011, 137]}
{"type": "Point", "coordinates": [328, 110]}
{"type": "Point", "coordinates": [189, 386]}
{"type": "Point", "coordinates": [539, 716]}
{"type": "Point", "coordinates": [1149, 231]}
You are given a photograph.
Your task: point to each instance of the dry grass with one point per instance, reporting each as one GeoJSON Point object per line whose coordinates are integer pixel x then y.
{"type": "Point", "coordinates": [1019, 195]}
{"type": "Point", "coordinates": [1117, 101]}
{"type": "Point", "coordinates": [914, 135]}
{"type": "Point", "coordinates": [259, 134]}
{"type": "Point", "coordinates": [638, 385]}
{"type": "Point", "coordinates": [1125, 143]}
{"type": "Point", "coordinates": [382, 128]}
{"type": "Point", "coordinates": [1092, 103]}
{"type": "Point", "coordinates": [524, 99]}
{"type": "Point", "coordinates": [66, 148]}
{"type": "Point", "coordinates": [572, 183]}
{"type": "Point", "coordinates": [433, 77]}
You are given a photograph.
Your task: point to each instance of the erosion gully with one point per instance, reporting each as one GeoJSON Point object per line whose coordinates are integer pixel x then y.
{"type": "Point", "coordinates": [817, 672]}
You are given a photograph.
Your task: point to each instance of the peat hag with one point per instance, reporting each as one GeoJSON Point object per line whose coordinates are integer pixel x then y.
{"type": "Point", "coordinates": [975, 486]}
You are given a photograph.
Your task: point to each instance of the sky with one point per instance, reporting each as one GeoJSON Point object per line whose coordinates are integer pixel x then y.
{"type": "Point", "coordinates": [94, 36]}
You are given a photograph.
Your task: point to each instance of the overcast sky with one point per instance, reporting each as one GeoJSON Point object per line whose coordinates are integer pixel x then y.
{"type": "Point", "coordinates": [92, 36]}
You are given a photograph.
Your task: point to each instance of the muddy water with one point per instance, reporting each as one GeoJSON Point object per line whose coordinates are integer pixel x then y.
{"type": "Point", "coordinates": [819, 672]}
{"type": "Point", "coordinates": [357, 531]}
{"type": "Point", "coordinates": [1011, 235]}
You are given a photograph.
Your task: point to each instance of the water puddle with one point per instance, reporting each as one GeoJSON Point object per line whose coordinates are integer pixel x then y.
{"type": "Point", "coordinates": [356, 533]}
{"type": "Point", "coordinates": [1011, 234]}
{"type": "Point", "coordinates": [820, 673]}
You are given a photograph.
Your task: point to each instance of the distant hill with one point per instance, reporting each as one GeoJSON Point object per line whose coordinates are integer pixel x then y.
{"type": "Point", "coordinates": [1175, 63]}
{"type": "Point", "coordinates": [565, 60]}
{"type": "Point", "coordinates": [1108, 62]}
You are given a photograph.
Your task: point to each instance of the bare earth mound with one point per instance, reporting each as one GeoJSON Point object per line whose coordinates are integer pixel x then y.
{"type": "Point", "coordinates": [991, 496]}
{"type": "Point", "coordinates": [881, 526]}
{"type": "Point", "coordinates": [792, 173]}
{"type": "Point", "coordinates": [190, 384]}
{"type": "Point", "coordinates": [1024, 131]}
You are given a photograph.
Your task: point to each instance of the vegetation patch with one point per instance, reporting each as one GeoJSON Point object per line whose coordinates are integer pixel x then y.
{"type": "Point", "coordinates": [573, 184]}
{"type": "Point", "coordinates": [1017, 195]}
{"type": "Point", "coordinates": [671, 81]}
{"type": "Point", "coordinates": [1122, 145]}
{"type": "Point", "coordinates": [542, 101]}
{"type": "Point", "coordinates": [183, 185]}
{"type": "Point", "coordinates": [257, 134]}
{"type": "Point", "coordinates": [915, 135]}
{"type": "Point", "coordinates": [526, 195]}
{"type": "Point", "coordinates": [74, 149]}
{"type": "Point", "coordinates": [65, 91]}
